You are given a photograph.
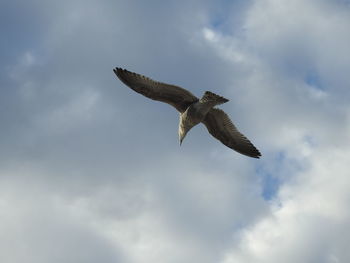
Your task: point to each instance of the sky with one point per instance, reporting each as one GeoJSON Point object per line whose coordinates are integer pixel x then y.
{"type": "Point", "coordinates": [91, 171]}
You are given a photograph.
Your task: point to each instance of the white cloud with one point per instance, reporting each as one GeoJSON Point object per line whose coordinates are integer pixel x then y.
{"type": "Point", "coordinates": [284, 41]}
{"type": "Point", "coordinates": [310, 222]}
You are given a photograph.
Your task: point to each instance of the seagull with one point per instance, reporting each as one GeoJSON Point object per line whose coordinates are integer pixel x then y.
{"type": "Point", "coordinates": [192, 110]}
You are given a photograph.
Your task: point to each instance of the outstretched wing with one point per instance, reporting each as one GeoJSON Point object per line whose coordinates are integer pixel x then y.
{"type": "Point", "coordinates": [221, 127]}
{"type": "Point", "coordinates": [173, 95]}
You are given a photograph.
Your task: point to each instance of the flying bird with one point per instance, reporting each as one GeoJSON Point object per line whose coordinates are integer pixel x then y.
{"type": "Point", "coordinates": [192, 110]}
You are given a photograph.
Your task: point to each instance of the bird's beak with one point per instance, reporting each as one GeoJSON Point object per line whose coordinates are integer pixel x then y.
{"type": "Point", "coordinates": [182, 138]}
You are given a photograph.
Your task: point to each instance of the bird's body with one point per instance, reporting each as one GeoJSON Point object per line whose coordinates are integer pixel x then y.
{"type": "Point", "coordinates": [192, 110]}
{"type": "Point", "coordinates": [197, 112]}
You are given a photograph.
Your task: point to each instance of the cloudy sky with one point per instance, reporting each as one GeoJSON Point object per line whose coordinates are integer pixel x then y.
{"type": "Point", "coordinates": [91, 171]}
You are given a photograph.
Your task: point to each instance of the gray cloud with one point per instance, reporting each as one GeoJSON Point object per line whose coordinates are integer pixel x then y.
{"type": "Point", "coordinates": [91, 171]}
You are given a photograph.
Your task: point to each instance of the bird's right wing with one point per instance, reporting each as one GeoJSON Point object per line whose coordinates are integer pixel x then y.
{"type": "Point", "coordinates": [173, 95]}
{"type": "Point", "coordinates": [221, 127]}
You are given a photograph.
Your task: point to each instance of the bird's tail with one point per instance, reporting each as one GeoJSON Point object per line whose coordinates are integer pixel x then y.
{"type": "Point", "coordinates": [212, 98]}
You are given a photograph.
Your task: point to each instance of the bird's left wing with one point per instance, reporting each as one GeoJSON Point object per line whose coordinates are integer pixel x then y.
{"type": "Point", "coordinates": [221, 127]}
{"type": "Point", "coordinates": [173, 95]}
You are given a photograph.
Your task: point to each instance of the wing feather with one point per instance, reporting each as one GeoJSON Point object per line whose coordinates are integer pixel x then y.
{"type": "Point", "coordinates": [173, 95]}
{"type": "Point", "coordinates": [221, 127]}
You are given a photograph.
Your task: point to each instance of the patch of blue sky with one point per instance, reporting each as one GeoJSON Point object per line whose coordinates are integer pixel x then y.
{"type": "Point", "coordinates": [344, 2]}
{"type": "Point", "coordinates": [312, 78]}
{"type": "Point", "coordinates": [19, 35]}
{"type": "Point", "coordinates": [271, 185]}
{"type": "Point", "coordinates": [228, 16]}
{"type": "Point", "coordinates": [220, 17]}
{"type": "Point", "coordinates": [270, 181]}
{"type": "Point", "coordinates": [276, 172]}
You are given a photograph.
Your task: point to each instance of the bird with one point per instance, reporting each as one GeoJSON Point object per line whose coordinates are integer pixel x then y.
{"type": "Point", "coordinates": [192, 110]}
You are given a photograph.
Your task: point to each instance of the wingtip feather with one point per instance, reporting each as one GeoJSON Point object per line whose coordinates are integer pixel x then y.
{"type": "Point", "coordinates": [257, 154]}
{"type": "Point", "coordinates": [118, 71]}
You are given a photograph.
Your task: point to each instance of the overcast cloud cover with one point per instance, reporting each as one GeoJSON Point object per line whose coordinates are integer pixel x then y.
{"type": "Point", "coordinates": [90, 171]}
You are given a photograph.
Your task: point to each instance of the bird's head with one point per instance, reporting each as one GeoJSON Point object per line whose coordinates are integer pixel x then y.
{"type": "Point", "coordinates": [182, 137]}
{"type": "Point", "coordinates": [183, 130]}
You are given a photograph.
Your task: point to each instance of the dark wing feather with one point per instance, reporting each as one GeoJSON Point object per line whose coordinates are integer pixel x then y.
{"type": "Point", "coordinates": [173, 95]}
{"type": "Point", "coordinates": [221, 127]}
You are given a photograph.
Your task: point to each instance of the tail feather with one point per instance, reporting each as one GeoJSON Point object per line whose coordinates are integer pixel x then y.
{"type": "Point", "coordinates": [212, 97]}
